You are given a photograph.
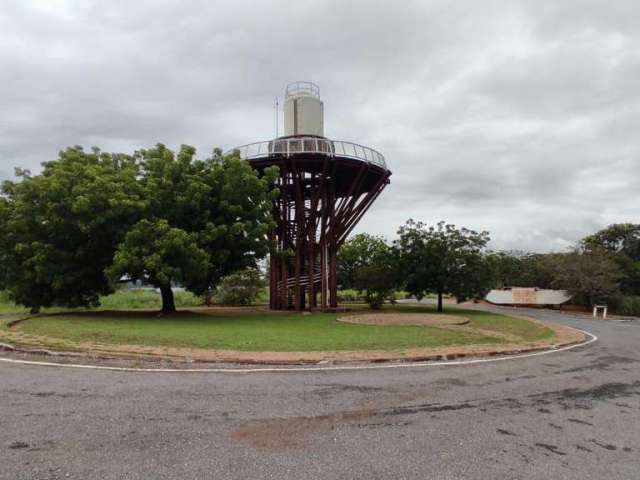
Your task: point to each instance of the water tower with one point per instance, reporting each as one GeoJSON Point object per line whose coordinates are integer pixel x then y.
{"type": "Point", "coordinates": [326, 186]}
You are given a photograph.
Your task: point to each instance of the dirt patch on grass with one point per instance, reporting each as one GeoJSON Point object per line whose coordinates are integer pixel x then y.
{"type": "Point", "coordinates": [405, 319]}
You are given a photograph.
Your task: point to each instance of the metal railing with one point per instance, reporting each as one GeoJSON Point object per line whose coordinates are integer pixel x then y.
{"type": "Point", "coordinates": [322, 146]}
{"type": "Point", "coordinates": [302, 88]}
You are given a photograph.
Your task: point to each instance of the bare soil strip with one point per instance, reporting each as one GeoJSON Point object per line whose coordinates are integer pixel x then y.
{"type": "Point", "coordinates": [406, 319]}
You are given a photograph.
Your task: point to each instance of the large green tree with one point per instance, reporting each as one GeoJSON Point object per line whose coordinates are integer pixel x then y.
{"type": "Point", "coordinates": [442, 259]}
{"type": "Point", "coordinates": [60, 228]}
{"type": "Point", "coordinates": [220, 205]}
{"type": "Point", "coordinates": [170, 217]}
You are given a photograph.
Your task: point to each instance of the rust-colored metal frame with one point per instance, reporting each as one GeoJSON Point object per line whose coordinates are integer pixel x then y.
{"type": "Point", "coordinates": [312, 221]}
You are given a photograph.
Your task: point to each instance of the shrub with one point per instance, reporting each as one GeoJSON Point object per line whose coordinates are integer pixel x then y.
{"type": "Point", "coordinates": [378, 283]}
{"type": "Point", "coordinates": [240, 288]}
{"type": "Point", "coordinates": [350, 296]}
{"type": "Point", "coordinates": [629, 305]}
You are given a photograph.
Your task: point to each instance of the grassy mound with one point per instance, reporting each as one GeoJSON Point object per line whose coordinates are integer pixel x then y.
{"type": "Point", "coordinates": [278, 332]}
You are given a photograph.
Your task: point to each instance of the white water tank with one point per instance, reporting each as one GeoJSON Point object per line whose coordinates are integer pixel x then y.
{"type": "Point", "coordinates": [303, 110]}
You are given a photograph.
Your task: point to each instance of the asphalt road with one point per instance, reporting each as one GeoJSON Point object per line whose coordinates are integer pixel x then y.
{"type": "Point", "coordinates": [569, 415]}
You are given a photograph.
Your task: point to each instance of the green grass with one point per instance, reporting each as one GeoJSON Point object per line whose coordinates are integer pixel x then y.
{"type": "Point", "coordinates": [7, 306]}
{"type": "Point", "coordinates": [268, 331]}
{"type": "Point", "coordinates": [147, 299]}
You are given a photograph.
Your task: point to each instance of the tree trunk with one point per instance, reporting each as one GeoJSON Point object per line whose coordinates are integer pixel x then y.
{"type": "Point", "coordinates": [168, 303]}
{"type": "Point", "coordinates": [440, 302]}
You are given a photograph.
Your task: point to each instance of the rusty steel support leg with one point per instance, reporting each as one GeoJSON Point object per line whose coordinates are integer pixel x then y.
{"type": "Point", "coordinates": [314, 213]}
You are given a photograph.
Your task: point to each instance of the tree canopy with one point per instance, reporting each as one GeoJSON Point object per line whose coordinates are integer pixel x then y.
{"type": "Point", "coordinates": [518, 269]}
{"type": "Point", "coordinates": [592, 275]}
{"type": "Point", "coordinates": [442, 259]}
{"type": "Point", "coordinates": [221, 204]}
{"type": "Point", "coordinates": [360, 251]}
{"type": "Point", "coordinates": [161, 212]}
{"type": "Point", "coordinates": [622, 240]}
{"type": "Point", "coordinates": [60, 229]}
{"type": "Point", "coordinates": [619, 238]}
{"type": "Point", "coordinates": [376, 270]}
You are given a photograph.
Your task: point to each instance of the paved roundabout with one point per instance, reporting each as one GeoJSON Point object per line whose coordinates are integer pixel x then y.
{"type": "Point", "coordinates": [567, 414]}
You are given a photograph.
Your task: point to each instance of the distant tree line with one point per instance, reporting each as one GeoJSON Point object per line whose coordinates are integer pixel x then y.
{"type": "Point", "coordinates": [446, 260]}
{"type": "Point", "coordinates": [601, 268]}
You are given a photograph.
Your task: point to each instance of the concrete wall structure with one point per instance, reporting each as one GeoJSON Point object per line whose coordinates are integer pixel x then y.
{"type": "Point", "coordinates": [527, 296]}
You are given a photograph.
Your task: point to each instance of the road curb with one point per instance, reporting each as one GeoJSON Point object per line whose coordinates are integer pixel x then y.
{"type": "Point", "coordinates": [104, 352]}
{"type": "Point", "coordinates": [591, 338]}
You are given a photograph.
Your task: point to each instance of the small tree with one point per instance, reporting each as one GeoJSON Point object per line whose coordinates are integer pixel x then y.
{"type": "Point", "coordinates": [240, 288]}
{"type": "Point", "coordinates": [441, 259]}
{"type": "Point", "coordinates": [379, 277]}
{"type": "Point", "coordinates": [356, 253]}
{"type": "Point", "coordinates": [377, 281]}
{"type": "Point", "coordinates": [368, 264]}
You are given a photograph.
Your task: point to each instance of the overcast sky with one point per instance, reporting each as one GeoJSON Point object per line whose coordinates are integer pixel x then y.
{"type": "Point", "coordinates": [521, 118]}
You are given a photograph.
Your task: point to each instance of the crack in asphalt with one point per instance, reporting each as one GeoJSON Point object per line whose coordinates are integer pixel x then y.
{"type": "Point", "coordinates": [550, 448]}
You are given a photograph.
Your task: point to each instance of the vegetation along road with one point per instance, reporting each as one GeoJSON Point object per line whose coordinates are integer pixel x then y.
{"type": "Point", "coordinates": [572, 415]}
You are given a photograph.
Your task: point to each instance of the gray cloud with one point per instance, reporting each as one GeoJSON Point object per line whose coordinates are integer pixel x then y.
{"type": "Point", "coordinates": [515, 117]}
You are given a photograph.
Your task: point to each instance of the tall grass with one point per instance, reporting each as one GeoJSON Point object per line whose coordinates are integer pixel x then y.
{"type": "Point", "coordinates": [350, 295]}
{"type": "Point", "coordinates": [147, 299]}
{"type": "Point", "coordinates": [7, 306]}
{"type": "Point", "coordinates": [629, 305]}
{"type": "Point", "coordinates": [121, 300]}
